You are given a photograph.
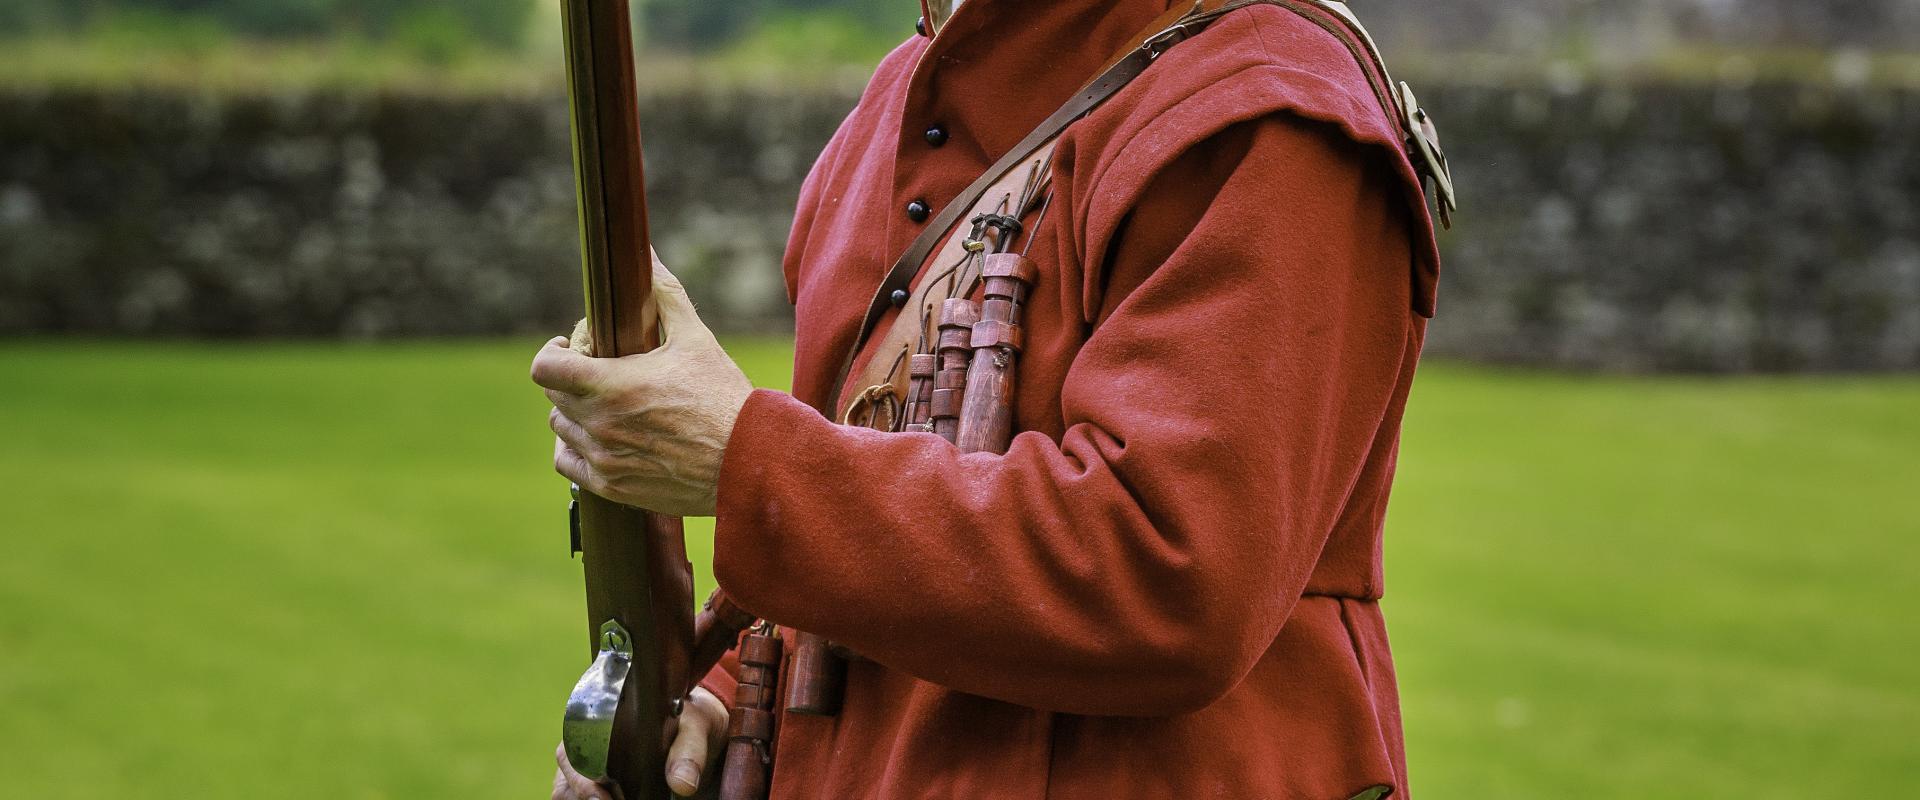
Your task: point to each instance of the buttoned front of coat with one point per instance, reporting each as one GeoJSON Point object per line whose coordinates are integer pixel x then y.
{"type": "Point", "coordinates": [1168, 586]}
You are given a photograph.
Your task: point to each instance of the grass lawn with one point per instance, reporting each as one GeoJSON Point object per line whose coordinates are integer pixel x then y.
{"type": "Point", "coordinates": [307, 571]}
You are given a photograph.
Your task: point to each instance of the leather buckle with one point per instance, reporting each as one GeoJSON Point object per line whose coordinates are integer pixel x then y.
{"type": "Point", "coordinates": [1165, 40]}
{"type": "Point", "coordinates": [1429, 159]}
{"type": "Point", "coordinates": [1181, 30]}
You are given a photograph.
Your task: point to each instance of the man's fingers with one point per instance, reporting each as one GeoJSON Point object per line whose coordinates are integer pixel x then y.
{"type": "Point", "coordinates": [569, 404]}
{"type": "Point", "coordinates": [588, 790]}
{"type": "Point", "coordinates": [579, 787]}
{"type": "Point", "coordinates": [575, 468]}
{"type": "Point", "coordinates": [571, 785]}
{"type": "Point", "coordinates": [704, 700]}
{"type": "Point", "coordinates": [557, 367]}
{"type": "Point", "coordinates": [701, 737]}
{"type": "Point", "coordinates": [571, 434]}
{"type": "Point", "coordinates": [677, 317]}
{"type": "Point", "coordinates": [687, 758]}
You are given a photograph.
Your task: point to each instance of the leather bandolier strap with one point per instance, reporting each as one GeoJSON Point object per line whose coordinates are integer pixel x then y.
{"type": "Point", "coordinates": [1177, 25]}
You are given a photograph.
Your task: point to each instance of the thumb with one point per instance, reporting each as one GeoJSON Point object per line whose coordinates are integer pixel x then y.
{"type": "Point", "coordinates": [701, 726]}
{"type": "Point", "coordinates": [677, 316]}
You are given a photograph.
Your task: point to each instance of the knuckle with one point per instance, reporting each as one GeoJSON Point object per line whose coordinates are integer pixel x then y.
{"type": "Point", "coordinates": [693, 730]}
{"type": "Point", "coordinates": [627, 391]}
{"type": "Point", "coordinates": [710, 703]}
{"type": "Point", "coordinates": [590, 424]}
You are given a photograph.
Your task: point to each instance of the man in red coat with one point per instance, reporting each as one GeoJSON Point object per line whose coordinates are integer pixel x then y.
{"type": "Point", "coordinates": [1168, 585]}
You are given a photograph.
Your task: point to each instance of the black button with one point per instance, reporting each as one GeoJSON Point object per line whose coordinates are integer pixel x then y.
{"type": "Point", "coordinates": [920, 27]}
{"type": "Point", "coordinates": [899, 298]}
{"type": "Point", "coordinates": [918, 210]}
{"type": "Point", "coordinates": [936, 135]}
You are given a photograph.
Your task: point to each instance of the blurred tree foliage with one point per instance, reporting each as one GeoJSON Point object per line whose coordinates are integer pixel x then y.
{"type": "Point", "coordinates": [30, 16]}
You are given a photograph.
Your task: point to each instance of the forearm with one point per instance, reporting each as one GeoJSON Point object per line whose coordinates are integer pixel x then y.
{"type": "Point", "coordinates": [965, 570]}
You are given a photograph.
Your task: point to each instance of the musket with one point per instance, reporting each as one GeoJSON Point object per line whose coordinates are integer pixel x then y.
{"type": "Point", "coordinates": [639, 583]}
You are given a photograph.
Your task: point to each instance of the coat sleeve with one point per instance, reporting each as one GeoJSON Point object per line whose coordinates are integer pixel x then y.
{"type": "Point", "coordinates": [1216, 420]}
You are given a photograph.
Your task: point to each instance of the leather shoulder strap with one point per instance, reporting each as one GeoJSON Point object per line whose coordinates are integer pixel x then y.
{"type": "Point", "coordinates": [1176, 25]}
{"type": "Point", "coordinates": [1118, 74]}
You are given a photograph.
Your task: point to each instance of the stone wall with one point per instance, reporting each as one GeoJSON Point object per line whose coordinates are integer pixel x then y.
{"type": "Point", "coordinates": [325, 214]}
{"type": "Point", "coordinates": [1729, 228]}
{"type": "Point", "coordinates": [1704, 228]}
{"type": "Point", "coordinates": [1617, 29]}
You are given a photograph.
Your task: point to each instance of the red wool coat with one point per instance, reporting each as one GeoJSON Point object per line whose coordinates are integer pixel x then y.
{"type": "Point", "coordinates": [1168, 586]}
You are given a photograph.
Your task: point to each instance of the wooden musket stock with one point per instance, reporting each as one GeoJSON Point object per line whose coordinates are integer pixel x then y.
{"type": "Point", "coordinates": [636, 563]}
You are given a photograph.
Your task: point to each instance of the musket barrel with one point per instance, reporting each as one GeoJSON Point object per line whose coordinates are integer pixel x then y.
{"type": "Point", "coordinates": [610, 178]}
{"type": "Point", "coordinates": [635, 561]}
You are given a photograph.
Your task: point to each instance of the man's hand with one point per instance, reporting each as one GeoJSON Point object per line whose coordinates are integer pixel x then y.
{"type": "Point", "coordinates": [697, 745]}
{"type": "Point", "coordinates": [646, 430]}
